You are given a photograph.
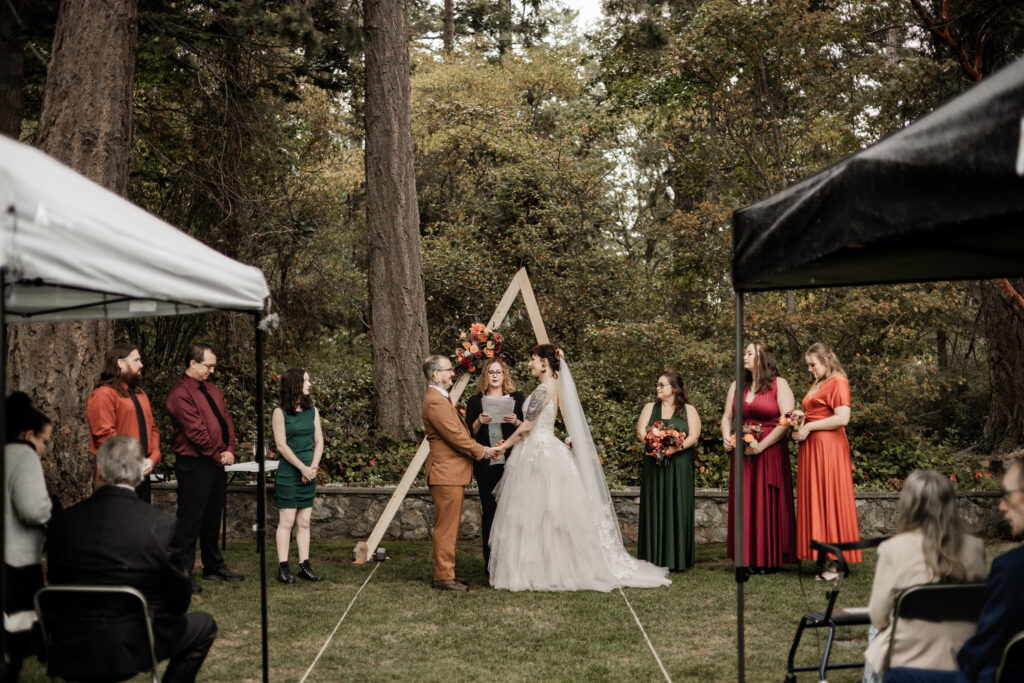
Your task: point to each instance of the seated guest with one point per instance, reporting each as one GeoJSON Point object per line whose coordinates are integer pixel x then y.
{"type": "Point", "coordinates": [930, 547]}
{"type": "Point", "coordinates": [28, 508]}
{"type": "Point", "coordinates": [1002, 614]}
{"type": "Point", "coordinates": [113, 538]}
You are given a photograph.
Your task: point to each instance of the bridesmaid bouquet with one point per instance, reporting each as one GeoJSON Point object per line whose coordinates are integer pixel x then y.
{"type": "Point", "coordinates": [794, 419]}
{"type": "Point", "coordinates": [662, 441]}
{"type": "Point", "coordinates": [476, 345]}
{"type": "Point", "coordinates": [750, 434]}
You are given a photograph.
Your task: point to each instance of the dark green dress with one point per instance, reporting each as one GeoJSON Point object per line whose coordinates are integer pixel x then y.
{"type": "Point", "coordinates": [288, 488]}
{"type": "Point", "coordinates": [665, 535]}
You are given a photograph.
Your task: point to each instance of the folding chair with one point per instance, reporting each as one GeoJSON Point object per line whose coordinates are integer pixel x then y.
{"type": "Point", "coordinates": [831, 617]}
{"type": "Point", "coordinates": [1011, 668]}
{"type": "Point", "coordinates": [935, 602]}
{"type": "Point", "coordinates": [96, 632]}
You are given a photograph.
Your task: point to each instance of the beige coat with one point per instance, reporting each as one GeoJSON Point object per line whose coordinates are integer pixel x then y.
{"type": "Point", "coordinates": [919, 643]}
{"type": "Point", "coordinates": [452, 449]}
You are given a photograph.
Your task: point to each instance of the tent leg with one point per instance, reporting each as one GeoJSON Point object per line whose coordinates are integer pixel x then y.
{"type": "Point", "coordinates": [3, 490]}
{"type": "Point", "coordinates": [261, 493]}
{"type": "Point", "coordinates": [742, 571]}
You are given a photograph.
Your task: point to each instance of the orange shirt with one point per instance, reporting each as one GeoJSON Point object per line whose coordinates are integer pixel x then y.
{"type": "Point", "coordinates": [110, 414]}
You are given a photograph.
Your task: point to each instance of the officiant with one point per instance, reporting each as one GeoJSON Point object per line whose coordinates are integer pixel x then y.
{"type": "Point", "coordinates": [492, 415]}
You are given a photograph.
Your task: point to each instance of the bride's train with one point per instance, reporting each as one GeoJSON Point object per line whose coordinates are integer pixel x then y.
{"type": "Point", "coordinates": [555, 528]}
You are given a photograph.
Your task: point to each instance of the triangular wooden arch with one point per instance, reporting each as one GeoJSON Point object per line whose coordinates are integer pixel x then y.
{"type": "Point", "coordinates": [520, 285]}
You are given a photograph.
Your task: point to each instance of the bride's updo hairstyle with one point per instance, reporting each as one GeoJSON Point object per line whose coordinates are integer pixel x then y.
{"type": "Point", "coordinates": [548, 352]}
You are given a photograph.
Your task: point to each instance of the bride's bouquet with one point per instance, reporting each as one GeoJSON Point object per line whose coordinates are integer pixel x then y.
{"type": "Point", "coordinates": [476, 345]}
{"type": "Point", "coordinates": [663, 441]}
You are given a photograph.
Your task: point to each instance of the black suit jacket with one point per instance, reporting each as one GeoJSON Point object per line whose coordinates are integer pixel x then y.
{"type": "Point", "coordinates": [113, 538]}
{"type": "Point", "coordinates": [1002, 617]}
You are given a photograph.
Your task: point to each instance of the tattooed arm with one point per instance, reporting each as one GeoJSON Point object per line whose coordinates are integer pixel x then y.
{"type": "Point", "coordinates": [534, 404]}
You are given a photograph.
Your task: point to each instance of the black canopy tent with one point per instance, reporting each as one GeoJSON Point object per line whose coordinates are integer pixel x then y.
{"type": "Point", "coordinates": [72, 250]}
{"type": "Point", "coordinates": [942, 199]}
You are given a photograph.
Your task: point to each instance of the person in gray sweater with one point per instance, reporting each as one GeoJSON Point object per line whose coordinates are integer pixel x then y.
{"type": "Point", "coordinates": [28, 509]}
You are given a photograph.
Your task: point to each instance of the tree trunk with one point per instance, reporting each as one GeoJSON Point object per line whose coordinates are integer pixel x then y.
{"type": "Point", "coordinates": [12, 69]}
{"type": "Point", "coordinates": [85, 123]}
{"type": "Point", "coordinates": [449, 26]}
{"type": "Point", "coordinates": [1004, 330]}
{"type": "Point", "coordinates": [398, 328]}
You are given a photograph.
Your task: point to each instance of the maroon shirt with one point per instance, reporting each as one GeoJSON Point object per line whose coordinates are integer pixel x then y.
{"type": "Point", "coordinates": [196, 429]}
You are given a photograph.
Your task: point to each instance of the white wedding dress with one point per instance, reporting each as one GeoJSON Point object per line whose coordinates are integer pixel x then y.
{"type": "Point", "coordinates": [555, 528]}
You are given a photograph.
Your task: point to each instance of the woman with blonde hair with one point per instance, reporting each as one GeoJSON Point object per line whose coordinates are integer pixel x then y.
{"type": "Point", "coordinates": [496, 382]}
{"type": "Point", "coordinates": [930, 547]}
{"type": "Point", "coordinates": [825, 509]}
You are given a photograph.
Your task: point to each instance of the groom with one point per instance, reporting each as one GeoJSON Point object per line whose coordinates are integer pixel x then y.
{"type": "Point", "coordinates": [449, 467]}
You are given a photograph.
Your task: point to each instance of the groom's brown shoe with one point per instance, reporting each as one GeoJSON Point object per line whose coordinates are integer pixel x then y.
{"type": "Point", "coordinates": [450, 585]}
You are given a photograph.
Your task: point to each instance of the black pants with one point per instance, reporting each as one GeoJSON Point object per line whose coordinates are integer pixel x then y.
{"type": "Point", "coordinates": [487, 477]}
{"type": "Point", "coordinates": [189, 651]}
{"type": "Point", "coordinates": [144, 491]}
{"type": "Point", "coordinates": [201, 487]}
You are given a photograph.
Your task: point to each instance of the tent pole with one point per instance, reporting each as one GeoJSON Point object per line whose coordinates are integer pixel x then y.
{"type": "Point", "coordinates": [742, 570]}
{"type": "Point", "coordinates": [261, 492]}
{"type": "Point", "coordinates": [3, 490]}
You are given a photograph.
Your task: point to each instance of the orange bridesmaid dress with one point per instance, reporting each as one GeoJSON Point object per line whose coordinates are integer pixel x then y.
{"type": "Point", "coordinates": [825, 510]}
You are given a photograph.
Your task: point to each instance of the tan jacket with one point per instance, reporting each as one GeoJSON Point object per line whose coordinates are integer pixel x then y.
{"type": "Point", "coordinates": [452, 449]}
{"type": "Point", "coordinates": [919, 644]}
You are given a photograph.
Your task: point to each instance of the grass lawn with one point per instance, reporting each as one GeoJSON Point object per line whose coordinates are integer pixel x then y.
{"type": "Point", "coordinates": [402, 629]}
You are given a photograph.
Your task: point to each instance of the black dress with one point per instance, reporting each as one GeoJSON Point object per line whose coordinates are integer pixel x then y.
{"type": "Point", "coordinates": [488, 475]}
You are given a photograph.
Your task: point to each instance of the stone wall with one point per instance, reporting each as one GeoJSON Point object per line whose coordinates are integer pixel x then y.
{"type": "Point", "coordinates": [352, 512]}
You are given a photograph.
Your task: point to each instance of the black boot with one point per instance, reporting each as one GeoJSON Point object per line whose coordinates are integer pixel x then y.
{"type": "Point", "coordinates": [284, 573]}
{"type": "Point", "coordinates": [306, 572]}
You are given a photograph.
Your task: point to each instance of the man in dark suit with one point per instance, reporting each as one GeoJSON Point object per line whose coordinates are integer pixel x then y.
{"type": "Point", "coordinates": [1002, 614]}
{"type": "Point", "coordinates": [449, 467]}
{"type": "Point", "coordinates": [113, 538]}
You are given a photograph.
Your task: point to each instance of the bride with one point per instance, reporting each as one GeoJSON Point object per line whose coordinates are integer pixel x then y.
{"type": "Point", "coordinates": [555, 528]}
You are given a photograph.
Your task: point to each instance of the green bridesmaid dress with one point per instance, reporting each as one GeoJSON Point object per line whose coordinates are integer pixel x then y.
{"type": "Point", "coordinates": [288, 487]}
{"type": "Point", "coordinates": [665, 534]}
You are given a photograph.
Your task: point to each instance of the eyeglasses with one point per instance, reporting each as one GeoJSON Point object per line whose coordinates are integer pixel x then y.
{"type": "Point", "coordinates": [661, 385]}
{"type": "Point", "coordinates": [1007, 492]}
{"type": "Point", "coordinates": [496, 373]}
{"type": "Point", "coordinates": [209, 366]}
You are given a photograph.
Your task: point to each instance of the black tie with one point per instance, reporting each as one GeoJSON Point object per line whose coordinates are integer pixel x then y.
{"type": "Point", "coordinates": [143, 432]}
{"type": "Point", "coordinates": [216, 414]}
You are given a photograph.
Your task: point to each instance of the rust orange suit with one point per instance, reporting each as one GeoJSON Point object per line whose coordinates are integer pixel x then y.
{"type": "Point", "coordinates": [449, 469]}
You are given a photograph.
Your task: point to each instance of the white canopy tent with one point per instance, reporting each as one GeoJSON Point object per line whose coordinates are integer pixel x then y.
{"type": "Point", "coordinates": [76, 251]}
{"type": "Point", "coordinates": [72, 250]}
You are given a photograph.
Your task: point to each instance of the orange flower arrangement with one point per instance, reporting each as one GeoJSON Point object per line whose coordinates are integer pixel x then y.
{"type": "Point", "coordinates": [663, 441]}
{"type": "Point", "coordinates": [475, 345]}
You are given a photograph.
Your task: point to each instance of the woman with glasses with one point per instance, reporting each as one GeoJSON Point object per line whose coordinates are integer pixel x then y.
{"type": "Point", "coordinates": [665, 535]}
{"type": "Point", "coordinates": [496, 383]}
{"type": "Point", "coordinates": [769, 530]}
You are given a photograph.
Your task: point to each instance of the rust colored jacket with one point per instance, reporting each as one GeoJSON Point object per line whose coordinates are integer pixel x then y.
{"type": "Point", "coordinates": [452, 449]}
{"type": "Point", "coordinates": [110, 414]}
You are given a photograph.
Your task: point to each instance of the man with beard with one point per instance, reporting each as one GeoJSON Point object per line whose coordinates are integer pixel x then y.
{"type": "Point", "coordinates": [118, 405]}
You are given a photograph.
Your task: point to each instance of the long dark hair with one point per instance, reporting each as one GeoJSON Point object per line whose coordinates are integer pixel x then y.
{"type": "Point", "coordinates": [766, 370]}
{"type": "Point", "coordinates": [547, 352]}
{"type": "Point", "coordinates": [292, 398]}
{"type": "Point", "coordinates": [23, 417]}
{"type": "Point", "coordinates": [110, 376]}
{"type": "Point", "coordinates": [682, 397]}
